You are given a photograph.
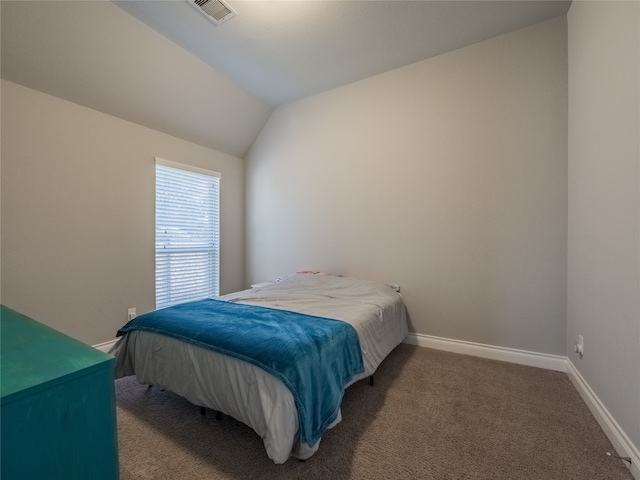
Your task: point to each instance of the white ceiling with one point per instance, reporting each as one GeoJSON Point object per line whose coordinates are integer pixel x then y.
{"type": "Point", "coordinates": [94, 54]}
{"type": "Point", "coordinates": [285, 50]}
{"type": "Point", "coordinates": [163, 65]}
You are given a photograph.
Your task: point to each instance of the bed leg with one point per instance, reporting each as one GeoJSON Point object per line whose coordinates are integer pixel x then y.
{"type": "Point", "coordinates": [218, 415]}
{"type": "Point", "coordinates": [371, 380]}
{"type": "Point", "coordinates": [203, 410]}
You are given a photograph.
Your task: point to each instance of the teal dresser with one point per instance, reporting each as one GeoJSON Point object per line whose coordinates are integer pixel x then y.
{"type": "Point", "coordinates": [58, 417]}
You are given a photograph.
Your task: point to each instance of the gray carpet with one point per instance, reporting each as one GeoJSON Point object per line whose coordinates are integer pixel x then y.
{"type": "Point", "coordinates": [431, 415]}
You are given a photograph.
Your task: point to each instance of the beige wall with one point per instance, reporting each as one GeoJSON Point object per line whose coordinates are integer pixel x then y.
{"type": "Point", "coordinates": [78, 212]}
{"type": "Point", "coordinates": [604, 203]}
{"type": "Point", "coordinates": [447, 177]}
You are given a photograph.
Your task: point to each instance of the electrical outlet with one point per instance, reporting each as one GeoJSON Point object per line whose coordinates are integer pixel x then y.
{"type": "Point", "coordinates": [579, 347]}
{"type": "Point", "coordinates": [131, 313]}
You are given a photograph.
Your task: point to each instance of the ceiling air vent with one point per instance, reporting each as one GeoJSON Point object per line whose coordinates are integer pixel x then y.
{"type": "Point", "coordinates": [215, 10]}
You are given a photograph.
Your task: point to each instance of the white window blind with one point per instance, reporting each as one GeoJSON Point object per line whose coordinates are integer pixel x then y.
{"type": "Point", "coordinates": [187, 233]}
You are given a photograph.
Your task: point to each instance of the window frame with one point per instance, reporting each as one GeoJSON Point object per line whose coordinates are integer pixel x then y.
{"type": "Point", "coordinates": [185, 256]}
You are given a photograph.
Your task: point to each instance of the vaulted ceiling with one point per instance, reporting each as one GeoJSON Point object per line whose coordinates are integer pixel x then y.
{"type": "Point", "coordinates": [164, 65]}
{"type": "Point", "coordinates": [285, 50]}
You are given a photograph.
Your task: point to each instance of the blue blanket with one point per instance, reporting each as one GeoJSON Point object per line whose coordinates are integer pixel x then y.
{"type": "Point", "coordinates": [314, 357]}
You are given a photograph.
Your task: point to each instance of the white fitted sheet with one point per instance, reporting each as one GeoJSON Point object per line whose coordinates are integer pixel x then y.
{"type": "Point", "coordinates": [248, 393]}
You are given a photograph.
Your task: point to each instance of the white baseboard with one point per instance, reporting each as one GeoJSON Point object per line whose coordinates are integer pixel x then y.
{"type": "Point", "coordinates": [106, 346]}
{"type": "Point", "coordinates": [511, 355]}
{"type": "Point", "coordinates": [621, 442]}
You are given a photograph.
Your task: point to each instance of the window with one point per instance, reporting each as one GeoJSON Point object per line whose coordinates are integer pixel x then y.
{"type": "Point", "coordinates": [187, 233]}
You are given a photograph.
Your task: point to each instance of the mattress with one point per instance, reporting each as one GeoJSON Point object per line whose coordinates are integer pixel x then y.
{"type": "Point", "coordinates": [248, 393]}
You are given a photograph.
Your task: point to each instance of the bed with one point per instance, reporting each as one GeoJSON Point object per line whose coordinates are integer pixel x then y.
{"type": "Point", "coordinates": [260, 397]}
